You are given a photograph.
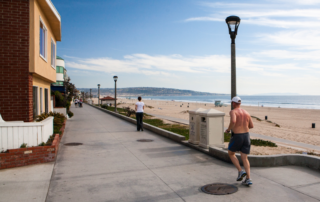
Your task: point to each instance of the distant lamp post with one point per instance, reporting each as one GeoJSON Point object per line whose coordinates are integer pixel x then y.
{"type": "Point", "coordinates": [90, 93]}
{"type": "Point", "coordinates": [233, 24]}
{"type": "Point", "coordinates": [115, 78]}
{"type": "Point", "coordinates": [99, 94]}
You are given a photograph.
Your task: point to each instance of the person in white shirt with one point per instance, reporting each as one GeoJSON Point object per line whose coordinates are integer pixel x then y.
{"type": "Point", "coordinates": [139, 114]}
{"type": "Point", "coordinates": [75, 102]}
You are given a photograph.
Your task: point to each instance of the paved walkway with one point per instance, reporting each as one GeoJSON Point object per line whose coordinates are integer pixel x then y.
{"type": "Point", "coordinates": [274, 139]}
{"type": "Point", "coordinates": [27, 183]}
{"type": "Point", "coordinates": [112, 166]}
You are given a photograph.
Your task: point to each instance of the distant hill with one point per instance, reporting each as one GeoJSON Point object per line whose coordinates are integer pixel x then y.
{"type": "Point", "coordinates": [146, 91]}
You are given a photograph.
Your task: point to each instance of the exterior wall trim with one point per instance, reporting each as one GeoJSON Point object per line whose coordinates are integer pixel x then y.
{"type": "Point", "coordinates": [54, 10]}
{"type": "Point", "coordinates": [55, 54]}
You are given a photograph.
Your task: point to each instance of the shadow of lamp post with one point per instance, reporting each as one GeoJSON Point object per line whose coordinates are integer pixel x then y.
{"type": "Point", "coordinates": [233, 24]}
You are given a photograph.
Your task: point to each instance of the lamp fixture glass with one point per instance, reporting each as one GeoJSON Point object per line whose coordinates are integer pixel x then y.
{"type": "Point", "coordinates": [115, 78]}
{"type": "Point", "coordinates": [233, 24]}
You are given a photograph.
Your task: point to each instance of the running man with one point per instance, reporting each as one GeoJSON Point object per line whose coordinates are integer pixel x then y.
{"type": "Point", "coordinates": [240, 123]}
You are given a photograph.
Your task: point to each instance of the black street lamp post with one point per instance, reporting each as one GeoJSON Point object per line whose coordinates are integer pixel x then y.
{"type": "Point", "coordinates": [99, 95]}
{"type": "Point", "coordinates": [233, 24]}
{"type": "Point", "coordinates": [115, 78]}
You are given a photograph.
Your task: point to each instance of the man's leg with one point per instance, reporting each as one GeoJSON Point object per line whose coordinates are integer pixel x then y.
{"type": "Point", "coordinates": [138, 121]}
{"type": "Point", "coordinates": [234, 160]}
{"type": "Point", "coordinates": [141, 121]}
{"type": "Point", "coordinates": [246, 164]}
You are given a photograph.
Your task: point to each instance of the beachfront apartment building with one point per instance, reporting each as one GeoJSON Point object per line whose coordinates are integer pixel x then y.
{"type": "Point", "coordinates": [30, 30]}
{"type": "Point", "coordinates": [61, 76]}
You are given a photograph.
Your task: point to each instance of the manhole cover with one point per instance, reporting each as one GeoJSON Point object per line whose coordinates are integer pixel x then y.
{"type": "Point", "coordinates": [73, 144]}
{"type": "Point", "coordinates": [219, 189]}
{"type": "Point", "coordinates": [145, 140]}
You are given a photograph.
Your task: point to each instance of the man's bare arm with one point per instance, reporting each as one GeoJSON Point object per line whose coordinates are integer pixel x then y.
{"type": "Point", "coordinates": [232, 121]}
{"type": "Point", "coordinates": [250, 122]}
{"type": "Point", "coordinates": [136, 107]}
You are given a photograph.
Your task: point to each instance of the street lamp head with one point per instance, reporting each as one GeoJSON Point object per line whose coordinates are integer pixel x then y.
{"type": "Point", "coordinates": [115, 78]}
{"type": "Point", "coordinates": [233, 24]}
{"type": "Point", "coordinates": [98, 85]}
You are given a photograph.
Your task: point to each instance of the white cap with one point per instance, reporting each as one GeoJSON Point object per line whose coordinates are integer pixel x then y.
{"type": "Point", "coordinates": [236, 100]}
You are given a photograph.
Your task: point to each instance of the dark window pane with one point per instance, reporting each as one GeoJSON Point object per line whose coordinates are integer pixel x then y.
{"type": "Point", "coordinates": [35, 102]}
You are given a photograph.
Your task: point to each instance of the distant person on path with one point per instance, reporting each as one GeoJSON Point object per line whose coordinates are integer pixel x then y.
{"type": "Point", "coordinates": [75, 102]}
{"type": "Point", "coordinates": [80, 103]}
{"type": "Point", "coordinates": [139, 114]}
{"type": "Point", "coordinates": [240, 123]}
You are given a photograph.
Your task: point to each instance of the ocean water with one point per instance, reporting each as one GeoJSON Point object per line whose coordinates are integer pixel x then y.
{"type": "Point", "coordinates": [303, 101]}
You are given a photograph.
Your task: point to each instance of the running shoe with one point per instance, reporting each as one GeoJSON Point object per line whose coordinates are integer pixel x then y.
{"type": "Point", "coordinates": [241, 175]}
{"type": "Point", "coordinates": [247, 182]}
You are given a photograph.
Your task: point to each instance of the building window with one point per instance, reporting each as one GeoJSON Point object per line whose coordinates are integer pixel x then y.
{"type": "Point", "coordinates": [53, 54]}
{"type": "Point", "coordinates": [46, 104]}
{"type": "Point", "coordinates": [43, 40]}
{"type": "Point", "coordinates": [41, 101]}
{"type": "Point", "coordinates": [59, 69]}
{"type": "Point", "coordinates": [35, 101]}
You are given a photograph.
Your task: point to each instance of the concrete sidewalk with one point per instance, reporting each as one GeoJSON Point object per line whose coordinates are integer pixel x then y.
{"type": "Point", "coordinates": [112, 166]}
{"type": "Point", "coordinates": [27, 183]}
{"type": "Point", "coordinates": [291, 143]}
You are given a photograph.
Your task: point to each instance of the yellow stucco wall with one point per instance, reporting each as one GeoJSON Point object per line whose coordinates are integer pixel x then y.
{"type": "Point", "coordinates": [38, 65]}
{"type": "Point", "coordinates": [40, 83]}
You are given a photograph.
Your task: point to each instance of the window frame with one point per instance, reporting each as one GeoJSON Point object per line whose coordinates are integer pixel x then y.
{"type": "Point", "coordinates": [44, 57]}
{"type": "Point", "coordinates": [55, 53]}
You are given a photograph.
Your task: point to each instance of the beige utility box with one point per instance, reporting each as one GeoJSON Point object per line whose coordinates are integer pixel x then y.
{"type": "Point", "coordinates": [194, 125]}
{"type": "Point", "coordinates": [211, 128]}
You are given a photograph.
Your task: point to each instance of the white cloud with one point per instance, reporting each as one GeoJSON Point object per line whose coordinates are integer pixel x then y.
{"type": "Point", "coordinates": [264, 22]}
{"type": "Point", "coordinates": [173, 65]}
{"type": "Point", "coordinates": [260, 11]}
{"type": "Point", "coordinates": [277, 14]}
{"type": "Point", "coordinates": [312, 56]}
{"type": "Point", "coordinates": [204, 19]}
{"type": "Point", "coordinates": [301, 39]}
{"type": "Point", "coordinates": [299, 2]}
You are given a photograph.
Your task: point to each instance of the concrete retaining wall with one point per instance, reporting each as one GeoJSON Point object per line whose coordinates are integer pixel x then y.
{"type": "Point", "coordinates": [312, 162]}
{"type": "Point", "coordinates": [271, 160]}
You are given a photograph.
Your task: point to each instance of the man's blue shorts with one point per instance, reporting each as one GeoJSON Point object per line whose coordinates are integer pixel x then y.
{"type": "Point", "coordinates": [240, 142]}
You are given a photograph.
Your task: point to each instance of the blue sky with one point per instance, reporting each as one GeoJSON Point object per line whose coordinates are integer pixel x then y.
{"type": "Point", "coordinates": [185, 44]}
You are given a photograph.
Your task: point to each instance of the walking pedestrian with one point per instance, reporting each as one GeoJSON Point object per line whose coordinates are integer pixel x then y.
{"type": "Point", "coordinates": [139, 114]}
{"type": "Point", "coordinates": [240, 123]}
{"type": "Point", "coordinates": [80, 103]}
{"type": "Point", "coordinates": [75, 102]}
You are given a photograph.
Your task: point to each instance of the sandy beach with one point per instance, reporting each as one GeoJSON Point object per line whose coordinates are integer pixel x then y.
{"type": "Point", "coordinates": [295, 124]}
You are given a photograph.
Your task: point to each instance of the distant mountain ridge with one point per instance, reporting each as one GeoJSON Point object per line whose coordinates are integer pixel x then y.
{"type": "Point", "coordinates": [146, 91]}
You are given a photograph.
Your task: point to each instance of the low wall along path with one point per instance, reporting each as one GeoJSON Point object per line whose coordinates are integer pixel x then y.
{"type": "Point", "coordinates": [31, 155]}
